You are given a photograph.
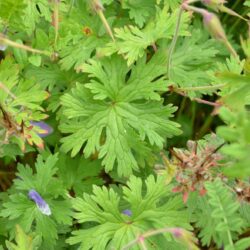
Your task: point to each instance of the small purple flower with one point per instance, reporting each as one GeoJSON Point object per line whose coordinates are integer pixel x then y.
{"type": "Point", "coordinates": [40, 202]}
{"type": "Point", "coordinates": [44, 128]}
{"type": "Point", "coordinates": [127, 212]}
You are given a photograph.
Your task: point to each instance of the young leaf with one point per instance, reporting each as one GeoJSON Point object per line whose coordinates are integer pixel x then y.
{"type": "Point", "coordinates": [23, 241]}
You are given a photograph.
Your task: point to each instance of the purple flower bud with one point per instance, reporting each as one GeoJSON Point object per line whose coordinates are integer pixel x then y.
{"type": "Point", "coordinates": [44, 128]}
{"type": "Point", "coordinates": [127, 212]}
{"type": "Point", "coordinates": [213, 25]}
{"type": "Point", "coordinates": [177, 232]}
{"type": "Point", "coordinates": [40, 202]}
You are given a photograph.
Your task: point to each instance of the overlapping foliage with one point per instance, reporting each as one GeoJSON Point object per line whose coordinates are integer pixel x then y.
{"type": "Point", "coordinates": [98, 100]}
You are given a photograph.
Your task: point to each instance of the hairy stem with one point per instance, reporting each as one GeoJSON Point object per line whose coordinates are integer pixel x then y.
{"type": "Point", "coordinates": [199, 88]}
{"type": "Point", "coordinates": [56, 20]}
{"type": "Point", "coordinates": [106, 24]}
{"type": "Point", "coordinates": [174, 41]}
{"type": "Point", "coordinates": [176, 232]}
{"type": "Point", "coordinates": [214, 104]}
{"type": "Point", "coordinates": [3, 87]}
{"type": "Point", "coordinates": [24, 47]}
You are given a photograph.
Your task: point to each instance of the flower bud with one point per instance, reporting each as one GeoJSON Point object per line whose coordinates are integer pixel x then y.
{"type": "Point", "coordinates": [40, 202]}
{"type": "Point", "coordinates": [218, 5]}
{"type": "Point", "coordinates": [213, 25]}
{"type": "Point", "coordinates": [177, 232]}
{"type": "Point", "coordinates": [97, 5]}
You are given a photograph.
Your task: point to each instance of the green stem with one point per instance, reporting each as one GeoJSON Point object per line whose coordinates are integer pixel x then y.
{"type": "Point", "coordinates": [226, 221]}
{"type": "Point", "coordinates": [195, 9]}
{"type": "Point", "coordinates": [183, 233]}
{"type": "Point", "coordinates": [56, 20]}
{"type": "Point", "coordinates": [210, 87]}
{"type": "Point", "coordinates": [143, 245]}
{"type": "Point", "coordinates": [2, 86]}
{"type": "Point", "coordinates": [106, 24]}
{"type": "Point", "coordinates": [233, 7]}
{"type": "Point", "coordinates": [232, 28]}
{"type": "Point", "coordinates": [146, 235]}
{"type": "Point", "coordinates": [205, 126]}
{"type": "Point", "coordinates": [173, 43]}
{"type": "Point", "coordinates": [182, 106]}
{"type": "Point", "coordinates": [71, 6]}
{"type": "Point", "coordinates": [193, 114]}
{"type": "Point", "coordinates": [24, 47]}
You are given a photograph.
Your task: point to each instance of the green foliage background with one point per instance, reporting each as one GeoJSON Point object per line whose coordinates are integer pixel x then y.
{"type": "Point", "coordinates": [149, 106]}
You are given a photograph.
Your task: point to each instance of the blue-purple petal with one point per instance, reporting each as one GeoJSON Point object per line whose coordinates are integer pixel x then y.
{"type": "Point", "coordinates": [40, 202]}
{"type": "Point", "coordinates": [43, 126]}
{"type": "Point", "coordinates": [127, 212]}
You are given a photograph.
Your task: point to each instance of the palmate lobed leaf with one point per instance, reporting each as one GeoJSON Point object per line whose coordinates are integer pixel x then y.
{"type": "Point", "coordinates": [115, 229]}
{"type": "Point", "coordinates": [131, 41]}
{"type": "Point", "coordinates": [81, 174]}
{"type": "Point", "coordinates": [124, 111]}
{"type": "Point", "coordinates": [140, 10]}
{"type": "Point", "coordinates": [20, 209]}
{"type": "Point", "coordinates": [193, 61]}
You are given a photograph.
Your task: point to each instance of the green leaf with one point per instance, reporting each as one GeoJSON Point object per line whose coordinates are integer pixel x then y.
{"type": "Point", "coordinates": [33, 12]}
{"type": "Point", "coordinates": [237, 133]}
{"type": "Point", "coordinates": [131, 42]}
{"type": "Point", "coordinates": [227, 217]}
{"type": "Point", "coordinates": [127, 111]}
{"type": "Point", "coordinates": [12, 11]}
{"type": "Point", "coordinates": [23, 241]}
{"type": "Point", "coordinates": [192, 61]}
{"type": "Point", "coordinates": [35, 60]}
{"type": "Point", "coordinates": [19, 209]}
{"type": "Point", "coordinates": [242, 244]}
{"type": "Point", "coordinates": [139, 10]}
{"type": "Point", "coordinates": [76, 54]}
{"type": "Point", "coordinates": [113, 229]}
{"type": "Point", "coordinates": [78, 173]}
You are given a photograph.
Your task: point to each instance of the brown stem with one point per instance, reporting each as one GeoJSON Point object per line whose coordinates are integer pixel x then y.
{"type": "Point", "coordinates": [199, 100]}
